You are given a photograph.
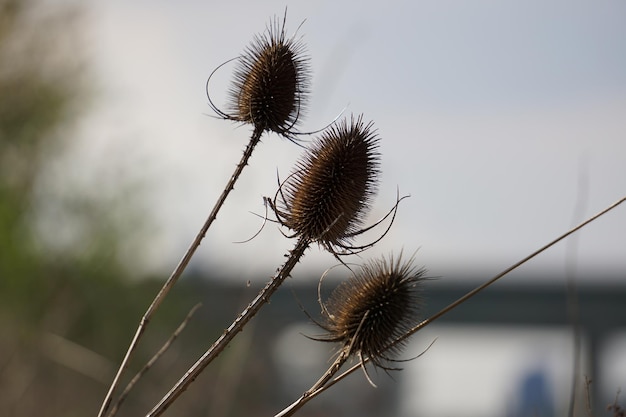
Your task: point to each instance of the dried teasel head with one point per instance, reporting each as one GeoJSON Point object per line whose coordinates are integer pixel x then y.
{"type": "Point", "coordinates": [325, 199]}
{"type": "Point", "coordinates": [271, 82]}
{"type": "Point", "coordinates": [378, 304]}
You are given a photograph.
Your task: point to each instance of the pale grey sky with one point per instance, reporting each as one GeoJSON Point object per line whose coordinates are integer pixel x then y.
{"type": "Point", "coordinates": [489, 113]}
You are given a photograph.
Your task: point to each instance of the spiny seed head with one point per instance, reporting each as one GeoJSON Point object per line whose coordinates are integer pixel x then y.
{"type": "Point", "coordinates": [271, 82]}
{"type": "Point", "coordinates": [375, 306]}
{"type": "Point", "coordinates": [328, 195]}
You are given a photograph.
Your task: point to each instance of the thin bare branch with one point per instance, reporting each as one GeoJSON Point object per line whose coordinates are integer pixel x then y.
{"type": "Point", "coordinates": [332, 370]}
{"type": "Point", "coordinates": [171, 281]}
{"type": "Point", "coordinates": [153, 360]}
{"type": "Point", "coordinates": [229, 334]}
{"type": "Point", "coordinates": [505, 272]}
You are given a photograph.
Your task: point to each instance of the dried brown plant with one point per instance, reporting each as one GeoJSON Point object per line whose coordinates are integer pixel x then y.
{"type": "Point", "coordinates": [347, 152]}
{"type": "Point", "coordinates": [269, 91]}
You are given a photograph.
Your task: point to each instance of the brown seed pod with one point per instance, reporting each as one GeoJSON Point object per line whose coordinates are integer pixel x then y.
{"type": "Point", "coordinates": [329, 193]}
{"type": "Point", "coordinates": [374, 307]}
{"type": "Point", "coordinates": [271, 83]}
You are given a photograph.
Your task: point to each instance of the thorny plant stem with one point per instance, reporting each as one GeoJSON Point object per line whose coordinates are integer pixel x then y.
{"type": "Point", "coordinates": [310, 395]}
{"type": "Point", "coordinates": [152, 361]}
{"type": "Point", "coordinates": [334, 368]}
{"type": "Point", "coordinates": [343, 356]}
{"type": "Point", "coordinates": [254, 140]}
{"type": "Point", "coordinates": [294, 256]}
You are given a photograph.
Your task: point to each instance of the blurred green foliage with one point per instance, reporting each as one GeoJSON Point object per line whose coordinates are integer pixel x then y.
{"type": "Point", "coordinates": [50, 301]}
{"type": "Point", "coordinates": [68, 312]}
{"type": "Point", "coordinates": [41, 92]}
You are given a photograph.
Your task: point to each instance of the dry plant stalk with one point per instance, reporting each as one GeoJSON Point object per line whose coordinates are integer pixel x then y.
{"type": "Point", "coordinates": [317, 389]}
{"type": "Point", "coordinates": [323, 204]}
{"type": "Point", "coordinates": [269, 91]}
{"type": "Point", "coordinates": [153, 360]}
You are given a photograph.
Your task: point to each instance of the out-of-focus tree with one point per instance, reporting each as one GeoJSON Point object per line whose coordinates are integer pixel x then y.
{"type": "Point", "coordinates": [53, 304]}
{"type": "Point", "coordinates": [40, 94]}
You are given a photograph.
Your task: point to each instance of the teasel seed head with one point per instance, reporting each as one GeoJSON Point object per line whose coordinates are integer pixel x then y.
{"type": "Point", "coordinates": [271, 82]}
{"type": "Point", "coordinates": [326, 198]}
{"type": "Point", "coordinates": [374, 307]}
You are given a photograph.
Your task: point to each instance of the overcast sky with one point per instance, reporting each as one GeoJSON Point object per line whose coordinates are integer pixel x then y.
{"type": "Point", "coordinates": [495, 116]}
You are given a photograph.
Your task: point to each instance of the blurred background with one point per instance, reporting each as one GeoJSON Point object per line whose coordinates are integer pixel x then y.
{"type": "Point", "coordinates": [504, 121]}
